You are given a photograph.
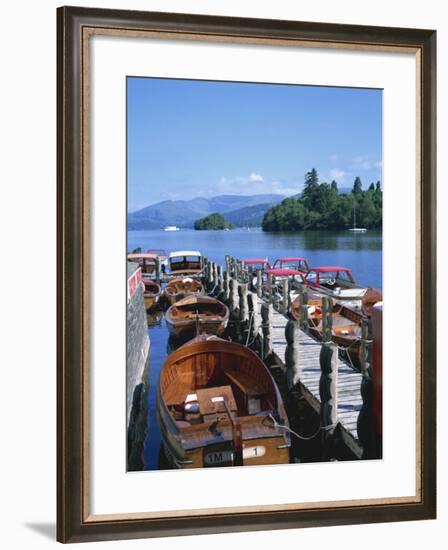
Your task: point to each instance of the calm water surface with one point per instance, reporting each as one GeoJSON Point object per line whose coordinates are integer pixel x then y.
{"type": "Point", "coordinates": [360, 252]}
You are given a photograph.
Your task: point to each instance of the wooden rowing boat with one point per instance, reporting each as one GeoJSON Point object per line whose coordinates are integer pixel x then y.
{"type": "Point", "coordinates": [151, 294]}
{"type": "Point", "coordinates": [196, 314]}
{"type": "Point", "coordinates": [346, 325]}
{"type": "Point", "coordinates": [177, 289]}
{"type": "Point", "coordinates": [218, 405]}
{"type": "Point", "coordinates": [146, 261]}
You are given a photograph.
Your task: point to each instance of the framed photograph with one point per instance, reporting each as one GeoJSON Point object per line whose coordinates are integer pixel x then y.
{"type": "Point", "coordinates": [246, 274]}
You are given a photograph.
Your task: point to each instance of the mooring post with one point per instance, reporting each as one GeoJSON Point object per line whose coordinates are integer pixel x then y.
{"type": "Point", "coordinates": [254, 321]}
{"type": "Point", "coordinates": [234, 298]}
{"type": "Point", "coordinates": [366, 420]}
{"type": "Point", "coordinates": [238, 270]}
{"type": "Point", "coordinates": [232, 267]}
{"type": "Point", "coordinates": [225, 286]}
{"type": "Point", "coordinates": [266, 316]}
{"type": "Point", "coordinates": [243, 272]}
{"type": "Point", "coordinates": [219, 280]}
{"type": "Point", "coordinates": [158, 269]}
{"type": "Point", "coordinates": [250, 276]}
{"type": "Point", "coordinates": [204, 271]}
{"type": "Point", "coordinates": [212, 275]}
{"type": "Point", "coordinates": [244, 310]}
{"type": "Point", "coordinates": [328, 378]}
{"type": "Point", "coordinates": [234, 306]}
{"type": "Point", "coordinates": [270, 289]}
{"type": "Point", "coordinates": [303, 293]}
{"type": "Point", "coordinates": [286, 297]}
{"type": "Point", "coordinates": [227, 263]}
{"type": "Point", "coordinates": [292, 355]}
{"type": "Point", "coordinates": [259, 283]}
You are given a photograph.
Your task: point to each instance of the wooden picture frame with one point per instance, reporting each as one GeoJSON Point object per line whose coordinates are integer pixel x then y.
{"type": "Point", "coordinates": [75, 26]}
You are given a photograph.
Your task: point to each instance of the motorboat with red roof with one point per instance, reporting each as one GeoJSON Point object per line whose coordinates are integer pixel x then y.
{"type": "Point", "coordinates": [292, 262]}
{"type": "Point", "coordinates": [335, 281]}
{"type": "Point", "coordinates": [257, 263]}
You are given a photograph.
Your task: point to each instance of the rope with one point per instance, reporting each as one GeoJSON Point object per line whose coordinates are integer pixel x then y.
{"type": "Point", "coordinates": [251, 315]}
{"type": "Point", "coordinates": [302, 437]}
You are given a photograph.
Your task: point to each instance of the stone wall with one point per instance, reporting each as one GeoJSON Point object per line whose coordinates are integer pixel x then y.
{"type": "Point", "coordinates": [136, 368]}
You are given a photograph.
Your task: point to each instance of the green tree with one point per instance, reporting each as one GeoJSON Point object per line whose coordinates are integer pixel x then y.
{"type": "Point", "coordinates": [357, 186]}
{"type": "Point", "coordinates": [311, 181]}
{"type": "Point", "coordinates": [212, 221]}
{"type": "Point", "coordinates": [321, 207]}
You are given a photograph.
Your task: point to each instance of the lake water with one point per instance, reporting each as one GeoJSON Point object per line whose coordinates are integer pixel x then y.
{"type": "Point", "coordinates": [360, 252]}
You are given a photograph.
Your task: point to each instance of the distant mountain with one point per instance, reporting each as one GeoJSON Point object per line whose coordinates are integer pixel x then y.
{"type": "Point", "coordinates": [250, 216]}
{"type": "Point", "coordinates": [184, 213]}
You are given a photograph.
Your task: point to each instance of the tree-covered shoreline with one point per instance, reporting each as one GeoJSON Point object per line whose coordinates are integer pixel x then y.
{"type": "Point", "coordinates": [320, 206]}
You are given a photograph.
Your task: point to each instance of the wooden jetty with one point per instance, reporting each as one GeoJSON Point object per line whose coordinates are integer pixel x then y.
{"type": "Point", "coordinates": [348, 387]}
{"type": "Point", "coordinates": [339, 393]}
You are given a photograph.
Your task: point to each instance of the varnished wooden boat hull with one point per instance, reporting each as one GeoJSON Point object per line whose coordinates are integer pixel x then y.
{"type": "Point", "coordinates": [189, 329]}
{"type": "Point", "coordinates": [176, 290]}
{"type": "Point", "coordinates": [210, 444]}
{"type": "Point", "coordinates": [152, 294]}
{"type": "Point", "coordinates": [196, 315]}
{"type": "Point", "coordinates": [151, 301]}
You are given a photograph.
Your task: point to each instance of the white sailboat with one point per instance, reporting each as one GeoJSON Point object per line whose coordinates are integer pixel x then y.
{"type": "Point", "coordinates": [355, 229]}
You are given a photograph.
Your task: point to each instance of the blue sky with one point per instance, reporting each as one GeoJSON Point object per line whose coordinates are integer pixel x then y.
{"type": "Point", "coordinates": [191, 138]}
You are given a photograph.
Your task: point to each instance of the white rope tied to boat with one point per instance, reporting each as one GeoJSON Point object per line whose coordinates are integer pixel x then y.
{"type": "Point", "coordinates": [303, 437]}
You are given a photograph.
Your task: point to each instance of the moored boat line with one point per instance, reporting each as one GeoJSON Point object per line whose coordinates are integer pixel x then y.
{"type": "Point", "coordinates": [196, 316]}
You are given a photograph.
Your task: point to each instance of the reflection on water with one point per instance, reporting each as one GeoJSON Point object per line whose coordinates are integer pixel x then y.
{"type": "Point", "coordinates": [360, 252]}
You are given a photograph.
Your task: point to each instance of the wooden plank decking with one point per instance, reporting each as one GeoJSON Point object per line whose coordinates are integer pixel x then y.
{"type": "Point", "coordinates": [348, 386]}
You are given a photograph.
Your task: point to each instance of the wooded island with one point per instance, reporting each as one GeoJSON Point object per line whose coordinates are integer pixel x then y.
{"type": "Point", "coordinates": [213, 221]}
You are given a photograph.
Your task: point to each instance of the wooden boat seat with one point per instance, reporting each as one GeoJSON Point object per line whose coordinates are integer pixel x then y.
{"type": "Point", "coordinates": [175, 394]}
{"type": "Point", "coordinates": [210, 400]}
{"type": "Point", "coordinates": [245, 383]}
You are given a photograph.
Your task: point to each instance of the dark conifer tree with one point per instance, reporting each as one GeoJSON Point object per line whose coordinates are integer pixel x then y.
{"type": "Point", "coordinates": [357, 186]}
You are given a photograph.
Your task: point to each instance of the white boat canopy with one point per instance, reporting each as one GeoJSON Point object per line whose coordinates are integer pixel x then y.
{"type": "Point", "coordinates": [185, 253]}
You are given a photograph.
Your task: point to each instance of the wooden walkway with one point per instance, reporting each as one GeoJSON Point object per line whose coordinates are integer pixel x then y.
{"type": "Point", "coordinates": [349, 400]}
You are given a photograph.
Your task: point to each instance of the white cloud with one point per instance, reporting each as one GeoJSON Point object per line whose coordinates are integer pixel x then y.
{"type": "Point", "coordinates": [361, 162]}
{"type": "Point", "coordinates": [255, 177]}
{"type": "Point", "coordinates": [253, 184]}
{"type": "Point", "coordinates": [339, 175]}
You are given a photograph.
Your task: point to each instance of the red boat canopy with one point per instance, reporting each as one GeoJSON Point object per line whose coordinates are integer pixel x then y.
{"type": "Point", "coordinates": [292, 259]}
{"type": "Point", "coordinates": [282, 272]}
{"type": "Point", "coordinates": [327, 269]}
{"type": "Point", "coordinates": [256, 261]}
{"type": "Point", "coordinates": [315, 272]}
